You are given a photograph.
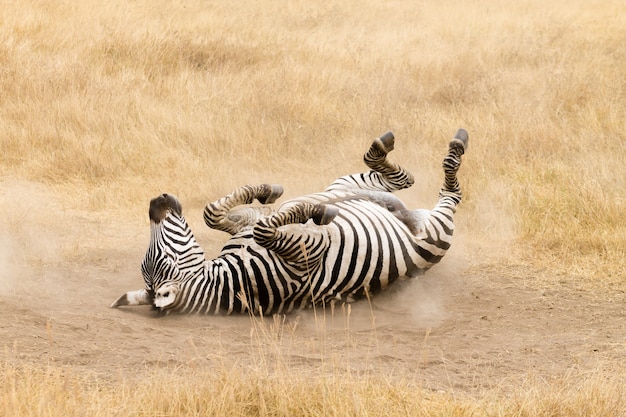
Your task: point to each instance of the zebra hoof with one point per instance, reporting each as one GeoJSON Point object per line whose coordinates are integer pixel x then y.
{"type": "Point", "coordinates": [381, 147]}
{"type": "Point", "coordinates": [388, 141]}
{"type": "Point", "coordinates": [270, 193]}
{"type": "Point", "coordinates": [460, 140]}
{"type": "Point", "coordinates": [323, 214]}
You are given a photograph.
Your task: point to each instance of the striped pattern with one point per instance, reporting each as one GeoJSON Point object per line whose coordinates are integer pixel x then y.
{"type": "Point", "coordinates": [173, 252]}
{"type": "Point", "coordinates": [384, 175]}
{"type": "Point", "coordinates": [353, 238]}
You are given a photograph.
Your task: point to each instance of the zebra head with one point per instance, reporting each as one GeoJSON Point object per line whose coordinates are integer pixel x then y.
{"type": "Point", "coordinates": [173, 254]}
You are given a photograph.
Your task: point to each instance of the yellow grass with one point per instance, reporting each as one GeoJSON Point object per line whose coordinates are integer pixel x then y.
{"type": "Point", "coordinates": [115, 103]}
{"type": "Point", "coordinates": [110, 103]}
{"type": "Point", "coordinates": [52, 392]}
{"type": "Point", "coordinates": [273, 387]}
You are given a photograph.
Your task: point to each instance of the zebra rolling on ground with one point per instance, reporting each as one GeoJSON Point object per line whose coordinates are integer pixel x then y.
{"type": "Point", "coordinates": [353, 239]}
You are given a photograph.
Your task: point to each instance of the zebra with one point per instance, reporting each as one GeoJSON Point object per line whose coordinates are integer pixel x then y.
{"type": "Point", "coordinates": [349, 241]}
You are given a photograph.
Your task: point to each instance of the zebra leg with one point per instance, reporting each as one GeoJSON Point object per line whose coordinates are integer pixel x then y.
{"type": "Point", "coordinates": [384, 175]}
{"type": "Point", "coordinates": [220, 215]}
{"type": "Point", "coordinates": [435, 227]}
{"type": "Point", "coordinates": [451, 164]}
{"type": "Point", "coordinates": [375, 158]}
{"type": "Point", "coordinates": [303, 247]}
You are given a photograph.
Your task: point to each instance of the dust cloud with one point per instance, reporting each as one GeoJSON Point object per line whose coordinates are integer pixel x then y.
{"type": "Point", "coordinates": [492, 229]}
{"type": "Point", "coordinates": [419, 302]}
{"type": "Point", "coordinates": [414, 304]}
{"type": "Point", "coordinates": [28, 239]}
{"type": "Point", "coordinates": [10, 269]}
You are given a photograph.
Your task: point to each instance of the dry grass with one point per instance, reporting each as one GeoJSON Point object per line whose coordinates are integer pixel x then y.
{"type": "Point", "coordinates": [273, 387]}
{"type": "Point", "coordinates": [53, 393]}
{"type": "Point", "coordinates": [258, 391]}
{"type": "Point", "coordinates": [111, 103]}
{"type": "Point", "coordinates": [115, 103]}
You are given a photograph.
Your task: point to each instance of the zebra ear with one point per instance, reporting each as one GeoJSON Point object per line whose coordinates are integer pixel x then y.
{"type": "Point", "coordinates": [133, 298]}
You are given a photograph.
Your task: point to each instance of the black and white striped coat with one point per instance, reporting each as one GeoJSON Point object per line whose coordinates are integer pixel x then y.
{"type": "Point", "coordinates": [353, 238]}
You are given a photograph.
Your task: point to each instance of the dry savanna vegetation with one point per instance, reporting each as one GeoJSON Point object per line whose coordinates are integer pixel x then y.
{"type": "Point", "coordinates": [104, 105]}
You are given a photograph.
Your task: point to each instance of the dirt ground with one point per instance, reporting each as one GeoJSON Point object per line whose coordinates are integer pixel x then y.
{"type": "Point", "coordinates": [452, 330]}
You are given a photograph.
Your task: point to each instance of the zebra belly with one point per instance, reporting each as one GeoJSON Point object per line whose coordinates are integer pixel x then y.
{"type": "Point", "coordinates": [370, 247]}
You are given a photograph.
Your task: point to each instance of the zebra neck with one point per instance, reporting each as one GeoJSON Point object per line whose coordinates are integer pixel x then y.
{"type": "Point", "coordinates": [217, 290]}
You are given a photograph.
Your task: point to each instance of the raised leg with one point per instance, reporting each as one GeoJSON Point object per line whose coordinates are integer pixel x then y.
{"type": "Point", "coordinates": [384, 175]}
{"type": "Point", "coordinates": [437, 225]}
{"type": "Point", "coordinates": [302, 247]}
{"type": "Point", "coordinates": [220, 215]}
{"type": "Point", "coordinates": [451, 163]}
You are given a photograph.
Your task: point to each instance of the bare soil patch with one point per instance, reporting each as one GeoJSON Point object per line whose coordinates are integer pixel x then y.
{"type": "Point", "coordinates": [450, 330]}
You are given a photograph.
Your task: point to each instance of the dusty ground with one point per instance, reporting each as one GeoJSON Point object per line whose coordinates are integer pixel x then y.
{"type": "Point", "coordinates": [451, 330]}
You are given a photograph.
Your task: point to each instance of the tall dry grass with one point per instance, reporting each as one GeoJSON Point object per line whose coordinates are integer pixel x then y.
{"type": "Point", "coordinates": [52, 392]}
{"type": "Point", "coordinates": [111, 103]}
{"type": "Point", "coordinates": [273, 387]}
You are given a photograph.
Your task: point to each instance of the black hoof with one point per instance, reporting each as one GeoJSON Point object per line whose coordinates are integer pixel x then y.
{"type": "Point", "coordinates": [323, 214]}
{"type": "Point", "coordinates": [460, 140]}
{"type": "Point", "coordinates": [388, 141]}
{"type": "Point", "coordinates": [271, 193]}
